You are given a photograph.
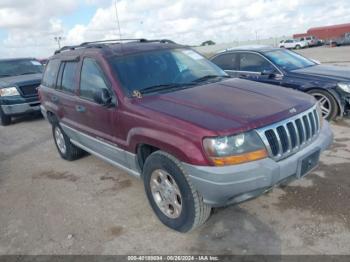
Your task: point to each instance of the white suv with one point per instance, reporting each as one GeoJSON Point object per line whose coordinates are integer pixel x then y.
{"type": "Point", "coordinates": [293, 44]}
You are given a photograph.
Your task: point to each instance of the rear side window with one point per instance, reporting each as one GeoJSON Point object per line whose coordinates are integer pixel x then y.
{"type": "Point", "coordinates": [50, 75]}
{"type": "Point", "coordinates": [68, 76]}
{"type": "Point", "coordinates": [226, 61]}
{"type": "Point", "coordinates": [91, 79]}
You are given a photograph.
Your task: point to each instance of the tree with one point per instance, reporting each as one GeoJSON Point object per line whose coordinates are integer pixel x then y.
{"type": "Point", "coordinates": [209, 42]}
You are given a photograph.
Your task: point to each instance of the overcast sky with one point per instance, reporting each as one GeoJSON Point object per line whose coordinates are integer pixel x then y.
{"type": "Point", "coordinates": [28, 27]}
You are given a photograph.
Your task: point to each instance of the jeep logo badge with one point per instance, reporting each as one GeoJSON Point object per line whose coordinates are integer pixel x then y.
{"type": "Point", "coordinates": [292, 110]}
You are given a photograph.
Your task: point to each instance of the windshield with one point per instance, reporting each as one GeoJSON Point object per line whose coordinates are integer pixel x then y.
{"type": "Point", "coordinates": [20, 67]}
{"type": "Point", "coordinates": [288, 60]}
{"type": "Point", "coordinates": [165, 68]}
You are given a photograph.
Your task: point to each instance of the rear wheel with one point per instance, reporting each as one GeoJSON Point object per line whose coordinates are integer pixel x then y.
{"type": "Point", "coordinates": [4, 119]}
{"type": "Point", "coordinates": [297, 47]}
{"type": "Point", "coordinates": [65, 148]}
{"type": "Point", "coordinates": [327, 102]}
{"type": "Point", "coordinates": [171, 195]}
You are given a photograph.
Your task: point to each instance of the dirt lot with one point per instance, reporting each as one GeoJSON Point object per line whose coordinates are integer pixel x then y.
{"type": "Point", "coordinates": [50, 206]}
{"type": "Point", "coordinates": [326, 54]}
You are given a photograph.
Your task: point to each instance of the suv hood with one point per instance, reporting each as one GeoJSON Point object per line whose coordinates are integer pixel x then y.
{"type": "Point", "coordinates": [230, 106]}
{"type": "Point", "coordinates": [336, 73]}
{"type": "Point", "coordinates": [20, 80]}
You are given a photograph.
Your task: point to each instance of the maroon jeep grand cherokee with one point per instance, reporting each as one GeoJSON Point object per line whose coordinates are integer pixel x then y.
{"type": "Point", "coordinates": [164, 113]}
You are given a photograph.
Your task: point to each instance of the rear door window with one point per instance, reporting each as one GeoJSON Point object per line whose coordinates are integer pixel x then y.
{"type": "Point", "coordinates": [50, 75]}
{"type": "Point", "coordinates": [69, 72]}
{"type": "Point", "coordinates": [226, 61]}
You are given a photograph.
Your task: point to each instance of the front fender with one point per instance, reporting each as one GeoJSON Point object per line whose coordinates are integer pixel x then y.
{"type": "Point", "coordinates": [339, 101]}
{"type": "Point", "coordinates": [183, 148]}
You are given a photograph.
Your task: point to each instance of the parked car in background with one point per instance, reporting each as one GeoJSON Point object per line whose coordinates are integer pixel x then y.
{"type": "Point", "coordinates": [293, 44]}
{"type": "Point", "coordinates": [19, 80]}
{"type": "Point", "coordinates": [311, 40]}
{"type": "Point", "coordinates": [164, 113]}
{"type": "Point", "coordinates": [330, 85]}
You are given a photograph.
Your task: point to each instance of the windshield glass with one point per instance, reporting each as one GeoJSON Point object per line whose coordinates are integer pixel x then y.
{"type": "Point", "coordinates": [20, 67]}
{"type": "Point", "coordinates": [167, 68]}
{"type": "Point", "coordinates": [288, 60]}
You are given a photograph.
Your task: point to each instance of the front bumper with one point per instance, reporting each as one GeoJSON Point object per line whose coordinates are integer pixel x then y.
{"type": "Point", "coordinates": [226, 185]}
{"type": "Point", "coordinates": [23, 108]}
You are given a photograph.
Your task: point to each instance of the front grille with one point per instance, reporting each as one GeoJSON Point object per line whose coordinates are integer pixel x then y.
{"type": "Point", "coordinates": [289, 136]}
{"type": "Point", "coordinates": [29, 90]}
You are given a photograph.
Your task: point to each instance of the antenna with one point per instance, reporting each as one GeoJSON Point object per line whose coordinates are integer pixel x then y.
{"type": "Point", "coordinates": [117, 18]}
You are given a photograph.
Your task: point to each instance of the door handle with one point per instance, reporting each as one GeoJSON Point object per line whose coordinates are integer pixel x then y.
{"type": "Point", "coordinates": [80, 109]}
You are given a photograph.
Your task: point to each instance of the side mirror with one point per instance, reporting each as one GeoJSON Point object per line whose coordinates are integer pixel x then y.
{"type": "Point", "coordinates": [103, 97]}
{"type": "Point", "coordinates": [268, 72]}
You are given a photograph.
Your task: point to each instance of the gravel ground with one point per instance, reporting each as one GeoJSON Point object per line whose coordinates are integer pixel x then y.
{"type": "Point", "coordinates": [51, 206]}
{"type": "Point", "coordinates": [327, 54]}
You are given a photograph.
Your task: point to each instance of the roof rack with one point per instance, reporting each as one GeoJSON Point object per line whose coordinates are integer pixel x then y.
{"type": "Point", "coordinates": [104, 43]}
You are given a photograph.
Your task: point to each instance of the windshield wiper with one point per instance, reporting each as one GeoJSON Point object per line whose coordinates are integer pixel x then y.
{"type": "Point", "coordinates": [162, 87]}
{"type": "Point", "coordinates": [207, 77]}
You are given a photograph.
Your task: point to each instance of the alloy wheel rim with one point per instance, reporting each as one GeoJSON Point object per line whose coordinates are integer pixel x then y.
{"type": "Point", "coordinates": [324, 103]}
{"type": "Point", "coordinates": [60, 140]}
{"type": "Point", "coordinates": [166, 193]}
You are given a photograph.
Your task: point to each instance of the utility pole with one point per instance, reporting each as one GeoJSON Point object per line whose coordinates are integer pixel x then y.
{"type": "Point", "coordinates": [58, 39]}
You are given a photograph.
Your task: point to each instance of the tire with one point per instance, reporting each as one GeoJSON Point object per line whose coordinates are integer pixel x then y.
{"type": "Point", "coordinates": [326, 100]}
{"type": "Point", "coordinates": [297, 47]}
{"type": "Point", "coordinates": [4, 119]}
{"type": "Point", "coordinates": [66, 149]}
{"type": "Point", "coordinates": [194, 212]}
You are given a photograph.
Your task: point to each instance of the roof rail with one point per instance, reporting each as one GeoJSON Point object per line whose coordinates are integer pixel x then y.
{"type": "Point", "coordinates": [103, 43]}
{"type": "Point", "coordinates": [111, 41]}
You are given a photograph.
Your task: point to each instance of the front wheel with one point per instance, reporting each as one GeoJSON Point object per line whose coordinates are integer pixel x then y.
{"type": "Point", "coordinates": [298, 47]}
{"type": "Point", "coordinates": [171, 195]}
{"type": "Point", "coordinates": [327, 102]}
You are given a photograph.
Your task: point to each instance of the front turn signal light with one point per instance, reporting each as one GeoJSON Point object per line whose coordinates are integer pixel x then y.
{"type": "Point", "coordinates": [240, 159]}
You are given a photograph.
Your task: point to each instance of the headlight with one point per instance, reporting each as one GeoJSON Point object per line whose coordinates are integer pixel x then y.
{"type": "Point", "coordinates": [345, 87]}
{"type": "Point", "coordinates": [237, 149]}
{"type": "Point", "coordinates": [9, 91]}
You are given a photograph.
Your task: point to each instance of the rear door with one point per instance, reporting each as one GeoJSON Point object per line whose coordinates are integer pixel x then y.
{"type": "Point", "coordinates": [228, 62]}
{"type": "Point", "coordinates": [58, 89]}
{"type": "Point", "coordinates": [65, 96]}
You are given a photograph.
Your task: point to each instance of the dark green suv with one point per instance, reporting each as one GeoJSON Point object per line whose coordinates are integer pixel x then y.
{"type": "Point", "coordinates": [19, 80]}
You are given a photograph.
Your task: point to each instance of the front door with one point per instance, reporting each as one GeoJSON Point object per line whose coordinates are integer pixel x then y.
{"type": "Point", "coordinates": [98, 123]}
{"type": "Point", "coordinates": [253, 66]}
